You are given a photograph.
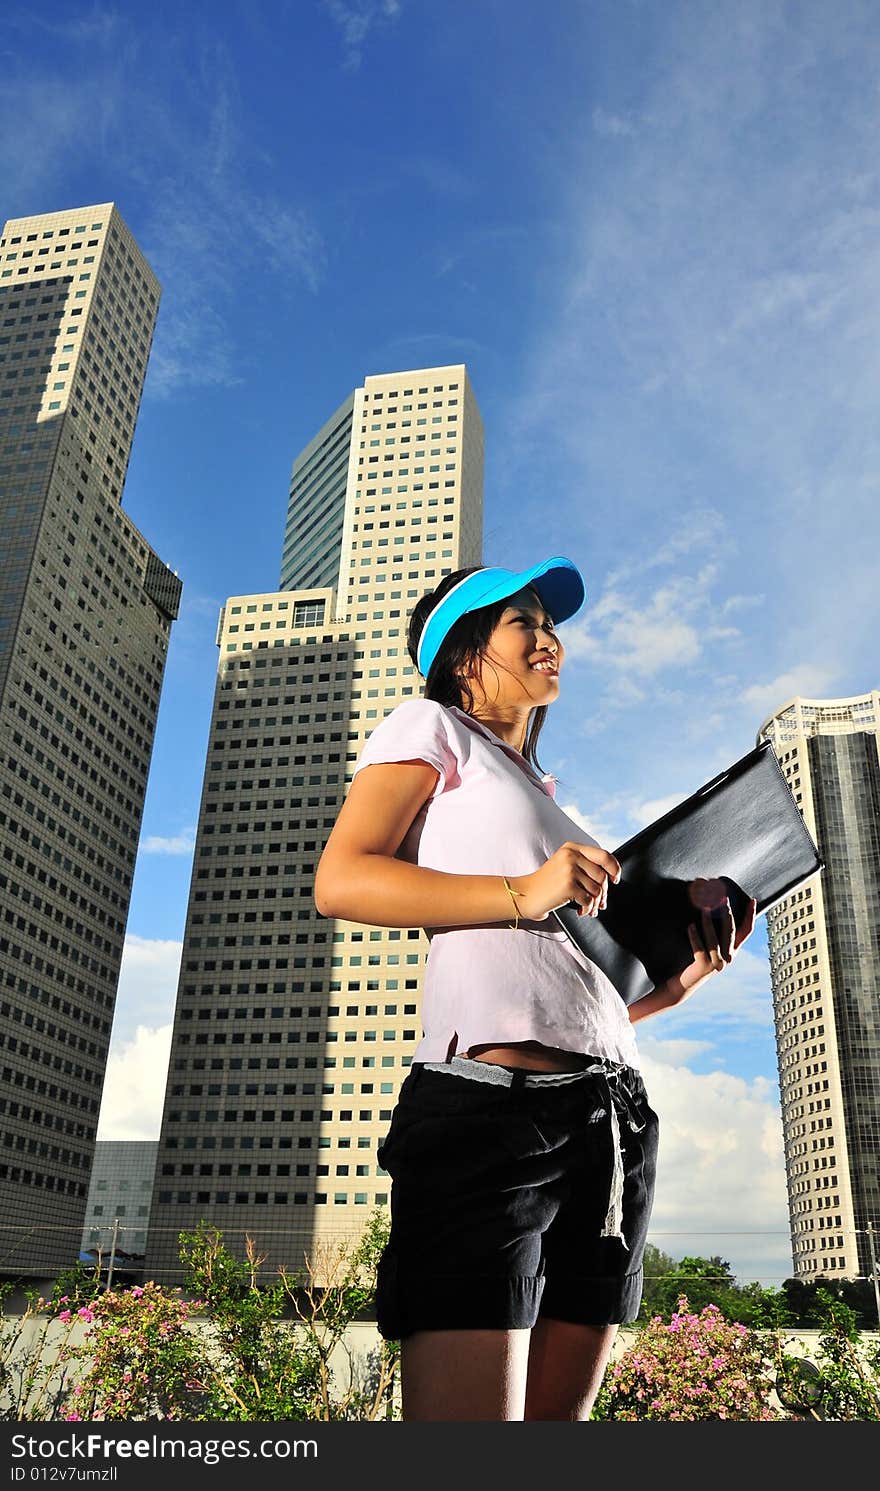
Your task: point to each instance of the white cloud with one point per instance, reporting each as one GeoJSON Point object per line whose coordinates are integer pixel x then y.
{"type": "Point", "coordinates": [781, 293]}
{"type": "Point", "coordinates": [720, 1178]}
{"type": "Point", "coordinates": [695, 528]}
{"type": "Point", "coordinates": [618, 818]}
{"type": "Point", "coordinates": [671, 1053]}
{"type": "Point", "coordinates": [190, 211]}
{"type": "Point", "coordinates": [736, 1000]}
{"type": "Point", "coordinates": [147, 986]}
{"type": "Point", "coordinates": [101, 27]}
{"type": "Point", "coordinates": [650, 640]}
{"type": "Point", "coordinates": [182, 843]}
{"type": "Point", "coordinates": [355, 19]}
{"type": "Point", "coordinates": [668, 630]}
{"type": "Point", "coordinates": [593, 824]}
{"type": "Point", "coordinates": [134, 1086]}
{"type": "Point", "coordinates": [37, 166]}
{"type": "Point", "coordinates": [196, 177]}
{"type": "Point", "coordinates": [713, 356]}
{"type": "Point", "coordinates": [192, 348]}
{"type": "Point", "coordinates": [740, 603]}
{"type": "Point", "coordinates": [721, 633]}
{"type": "Point", "coordinates": [808, 681]}
{"type": "Point", "coordinates": [643, 813]}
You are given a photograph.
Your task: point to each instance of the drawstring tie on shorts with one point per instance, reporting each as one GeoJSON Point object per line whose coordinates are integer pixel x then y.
{"type": "Point", "coordinates": [620, 1105]}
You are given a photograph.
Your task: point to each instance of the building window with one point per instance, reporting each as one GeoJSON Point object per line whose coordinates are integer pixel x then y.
{"type": "Point", "coordinates": [308, 613]}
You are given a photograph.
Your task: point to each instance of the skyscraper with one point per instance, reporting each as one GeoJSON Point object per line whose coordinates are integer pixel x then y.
{"type": "Point", "coordinates": [316, 506]}
{"type": "Point", "coordinates": [825, 970]}
{"type": "Point", "coordinates": [292, 1032]}
{"type": "Point", "coordinates": [120, 1191]}
{"type": "Point", "coordinates": [86, 608]}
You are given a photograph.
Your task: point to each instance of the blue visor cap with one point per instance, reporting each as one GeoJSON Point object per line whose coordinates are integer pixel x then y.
{"type": "Point", "coordinates": [558, 582]}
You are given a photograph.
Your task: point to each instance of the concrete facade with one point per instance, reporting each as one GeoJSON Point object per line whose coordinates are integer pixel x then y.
{"type": "Point", "coordinates": [825, 970]}
{"type": "Point", "coordinates": [120, 1192]}
{"type": "Point", "coordinates": [292, 1032]}
{"type": "Point", "coordinates": [86, 608]}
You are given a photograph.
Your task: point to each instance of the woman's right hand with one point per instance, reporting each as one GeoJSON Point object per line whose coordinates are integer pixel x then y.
{"type": "Point", "coordinates": [576, 872]}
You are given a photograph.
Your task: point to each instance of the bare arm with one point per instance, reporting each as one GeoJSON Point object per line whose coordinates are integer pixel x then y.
{"type": "Point", "coordinates": [359, 879]}
{"type": "Point", "coordinates": [651, 1004]}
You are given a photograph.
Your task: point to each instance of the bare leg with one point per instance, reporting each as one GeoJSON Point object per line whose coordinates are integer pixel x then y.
{"type": "Point", "coordinates": [463, 1375]}
{"type": "Point", "coordinates": [566, 1366]}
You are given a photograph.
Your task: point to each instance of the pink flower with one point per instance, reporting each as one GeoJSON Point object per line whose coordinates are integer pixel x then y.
{"type": "Point", "coordinates": [65, 1316]}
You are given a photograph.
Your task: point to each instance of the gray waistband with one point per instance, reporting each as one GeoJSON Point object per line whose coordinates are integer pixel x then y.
{"type": "Point", "coordinates": [488, 1071]}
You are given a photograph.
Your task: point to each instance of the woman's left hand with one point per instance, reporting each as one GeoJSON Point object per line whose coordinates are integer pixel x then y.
{"type": "Point", "coordinates": [715, 937]}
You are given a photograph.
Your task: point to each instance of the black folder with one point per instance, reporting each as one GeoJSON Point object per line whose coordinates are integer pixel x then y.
{"type": "Point", "coordinates": [744, 827]}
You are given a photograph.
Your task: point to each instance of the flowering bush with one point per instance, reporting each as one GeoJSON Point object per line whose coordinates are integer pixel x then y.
{"type": "Point", "coordinates": [143, 1356]}
{"type": "Point", "coordinates": [266, 1367]}
{"type": "Point", "coordinates": [143, 1363]}
{"type": "Point", "coordinates": [263, 1352]}
{"type": "Point", "coordinates": [33, 1377]}
{"type": "Point", "coordinates": [78, 1284]}
{"type": "Point", "coordinates": [698, 1366]}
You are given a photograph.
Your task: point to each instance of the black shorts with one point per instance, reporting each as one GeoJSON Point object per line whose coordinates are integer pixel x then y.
{"type": "Point", "coordinates": [510, 1202]}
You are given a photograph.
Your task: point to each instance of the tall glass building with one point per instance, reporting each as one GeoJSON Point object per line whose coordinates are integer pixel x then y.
{"type": "Point", "coordinates": [292, 1033]}
{"type": "Point", "coordinates": [825, 969]}
{"type": "Point", "coordinates": [120, 1191]}
{"type": "Point", "coordinates": [316, 505]}
{"type": "Point", "coordinates": [86, 608]}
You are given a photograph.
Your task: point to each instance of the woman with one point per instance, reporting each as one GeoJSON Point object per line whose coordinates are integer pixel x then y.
{"type": "Point", "coordinates": [522, 1147]}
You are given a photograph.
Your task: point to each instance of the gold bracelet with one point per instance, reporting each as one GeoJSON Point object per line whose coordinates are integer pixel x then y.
{"type": "Point", "coordinates": [513, 894]}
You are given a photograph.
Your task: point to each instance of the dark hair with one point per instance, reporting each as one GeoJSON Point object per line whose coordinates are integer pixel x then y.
{"type": "Point", "coordinates": [461, 648]}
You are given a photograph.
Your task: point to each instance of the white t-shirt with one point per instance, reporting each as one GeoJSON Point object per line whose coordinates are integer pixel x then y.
{"type": "Point", "coordinates": [491, 814]}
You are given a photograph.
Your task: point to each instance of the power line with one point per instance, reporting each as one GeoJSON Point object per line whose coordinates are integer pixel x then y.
{"type": "Point", "coordinates": [330, 1232]}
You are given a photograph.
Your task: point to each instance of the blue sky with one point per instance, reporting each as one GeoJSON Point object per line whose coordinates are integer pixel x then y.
{"type": "Point", "coordinates": [650, 231]}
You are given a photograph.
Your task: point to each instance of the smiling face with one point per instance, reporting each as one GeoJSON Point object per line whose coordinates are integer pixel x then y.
{"type": "Point", "coordinates": [521, 664]}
